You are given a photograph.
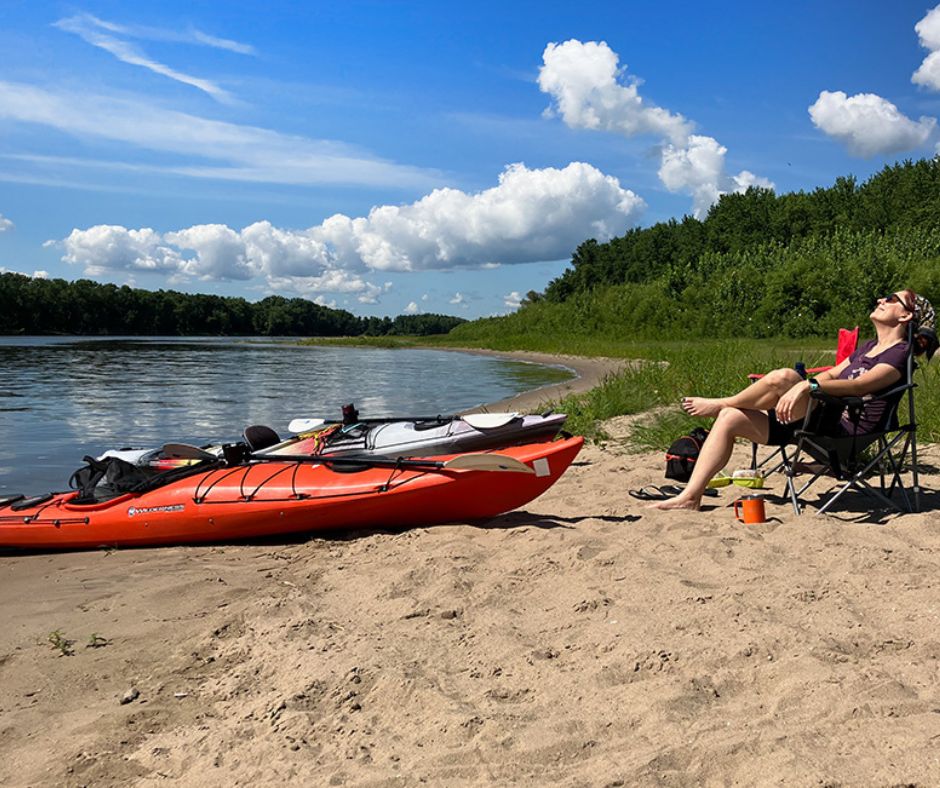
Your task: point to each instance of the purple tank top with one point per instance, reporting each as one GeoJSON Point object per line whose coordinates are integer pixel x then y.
{"type": "Point", "coordinates": [859, 364]}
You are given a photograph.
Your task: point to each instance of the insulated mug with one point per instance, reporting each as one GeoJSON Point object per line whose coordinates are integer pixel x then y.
{"type": "Point", "coordinates": [752, 509]}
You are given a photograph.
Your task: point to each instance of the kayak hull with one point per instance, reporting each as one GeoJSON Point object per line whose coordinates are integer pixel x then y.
{"type": "Point", "coordinates": [274, 498]}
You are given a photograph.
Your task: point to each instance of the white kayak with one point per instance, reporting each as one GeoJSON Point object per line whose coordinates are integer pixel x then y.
{"type": "Point", "coordinates": [417, 438]}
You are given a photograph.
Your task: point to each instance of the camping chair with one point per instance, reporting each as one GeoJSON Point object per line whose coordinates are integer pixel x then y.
{"type": "Point", "coordinates": [853, 458]}
{"type": "Point", "coordinates": [845, 347]}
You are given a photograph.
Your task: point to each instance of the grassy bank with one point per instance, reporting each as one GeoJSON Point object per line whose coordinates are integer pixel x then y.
{"type": "Point", "coordinates": [674, 369]}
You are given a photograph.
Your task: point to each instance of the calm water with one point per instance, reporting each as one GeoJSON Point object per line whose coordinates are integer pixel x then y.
{"type": "Point", "coordinates": [62, 398]}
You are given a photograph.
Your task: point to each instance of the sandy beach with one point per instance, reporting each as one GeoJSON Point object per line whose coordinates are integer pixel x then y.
{"type": "Point", "coordinates": [584, 640]}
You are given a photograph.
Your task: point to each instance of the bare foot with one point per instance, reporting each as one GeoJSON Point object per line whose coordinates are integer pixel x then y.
{"type": "Point", "coordinates": [702, 407]}
{"type": "Point", "coordinates": [679, 502]}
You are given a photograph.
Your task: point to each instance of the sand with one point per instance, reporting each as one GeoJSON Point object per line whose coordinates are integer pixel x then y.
{"type": "Point", "coordinates": [583, 640]}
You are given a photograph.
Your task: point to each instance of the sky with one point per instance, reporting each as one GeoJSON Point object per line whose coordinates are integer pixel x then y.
{"type": "Point", "coordinates": [404, 157]}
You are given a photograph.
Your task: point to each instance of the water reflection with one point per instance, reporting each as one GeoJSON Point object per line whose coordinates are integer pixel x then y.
{"type": "Point", "coordinates": [61, 398]}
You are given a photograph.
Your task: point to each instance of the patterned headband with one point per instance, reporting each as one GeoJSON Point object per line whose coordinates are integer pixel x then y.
{"type": "Point", "coordinates": [924, 314]}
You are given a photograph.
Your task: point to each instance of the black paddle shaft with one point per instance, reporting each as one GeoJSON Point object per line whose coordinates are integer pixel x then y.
{"type": "Point", "coordinates": [319, 459]}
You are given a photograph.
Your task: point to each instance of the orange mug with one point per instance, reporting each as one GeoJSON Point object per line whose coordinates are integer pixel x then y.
{"type": "Point", "coordinates": [752, 509]}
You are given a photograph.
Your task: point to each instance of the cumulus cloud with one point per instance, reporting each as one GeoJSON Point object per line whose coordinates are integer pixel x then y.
{"type": "Point", "coordinates": [457, 299]}
{"type": "Point", "coordinates": [411, 309]}
{"type": "Point", "coordinates": [928, 31]}
{"type": "Point", "coordinates": [99, 34]}
{"type": "Point", "coordinates": [531, 215]}
{"type": "Point", "coordinates": [698, 169]}
{"type": "Point", "coordinates": [591, 91]}
{"type": "Point", "coordinates": [583, 80]}
{"type": "Point", "coordinates": [5, 224]}
{"type": "Point", "coordinates": [513, 300]}
{"type": "Point", "coordinates": [867, 124]}
{"type": "Point", "coordinates": [223, 151]}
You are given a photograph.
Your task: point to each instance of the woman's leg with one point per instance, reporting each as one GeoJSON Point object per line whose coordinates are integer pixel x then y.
{"type": "Point", "coordinates": [762, 394]}
{"type": "Point", "coordinates": [716, 451]}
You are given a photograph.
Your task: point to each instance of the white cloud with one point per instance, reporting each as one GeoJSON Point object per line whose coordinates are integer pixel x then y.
{"type": "Point", "coordinates": [928, 31]}
{"type": "Point", "coordinates": [5, 224]}
{"type": "Point", "coordinates": [323, 301]}
{"type": "Point", "coordinates": [411, 309]}
{"type": "Point", "coordinates": [531, 215]}
{"type": "Point", "coordinates": [698, 169]}
{"type": "Point", "coordinates": [33, 275]}
{"type": "Point", "coordinates": [424, 297]}
{"type": "Point", "coordinates": [457, 299]}
{"type": "Point", "coordinates": [90, 29]}
{"type": "Point", "coordinates": [105, 248]}
{"type": "Point", "coordinates": [586, 83]}
{"type": "Point", "coordinates": [513, 300]}
{"type": "Point", "coordinates": [190, 35]}
{"type": "Point", "coordinates": [230, 151]}
{"type": "Point", "coordinates": [867, 124]}
{"type": "Point", "coordinates": [583, 80]}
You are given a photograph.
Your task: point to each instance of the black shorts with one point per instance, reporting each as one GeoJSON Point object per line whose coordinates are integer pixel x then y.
{"type": "Point", "coordinates": [778, 433]}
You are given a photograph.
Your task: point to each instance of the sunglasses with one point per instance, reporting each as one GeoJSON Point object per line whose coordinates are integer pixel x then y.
{"type": "Point", "coordinates": [894, 298]}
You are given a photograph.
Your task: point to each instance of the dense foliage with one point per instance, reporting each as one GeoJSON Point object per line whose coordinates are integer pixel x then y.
{"type": "Point", "coordinates": [900, 198]}
{"type": "Point", "coordinates": [55, 306]}
{"type": "Point", "coordinates": [759, 265]}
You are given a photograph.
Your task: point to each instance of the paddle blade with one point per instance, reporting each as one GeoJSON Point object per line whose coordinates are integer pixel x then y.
{"type": "Point", "coordinates": [183, 451]}
{"type": "Point", "coordinates": [304, 425]}
{"type": "Point", "coordinates": [488, 462]}
{"type": "Point", "coordinates": [489, 421]}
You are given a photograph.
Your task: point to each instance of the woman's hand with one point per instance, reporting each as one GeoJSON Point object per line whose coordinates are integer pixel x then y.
{"type": "Point", "coordinates": [792, 405]}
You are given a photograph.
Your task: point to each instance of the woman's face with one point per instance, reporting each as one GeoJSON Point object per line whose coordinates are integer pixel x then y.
{"type": "Point", "coordinates": [891, 308]}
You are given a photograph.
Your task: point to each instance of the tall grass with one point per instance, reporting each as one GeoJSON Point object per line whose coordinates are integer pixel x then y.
{"type": "Point", "coordinates": [668, 370]}
{"type": "Point", "coordinates": [708, 368]}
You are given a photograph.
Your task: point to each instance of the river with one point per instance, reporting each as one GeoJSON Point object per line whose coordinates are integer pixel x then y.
{"type": "Point", "coordinates": [64, 397]}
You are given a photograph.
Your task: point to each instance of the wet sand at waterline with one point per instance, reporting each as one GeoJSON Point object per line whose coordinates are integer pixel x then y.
{"type": "Point", "coordinates": [583, 640]}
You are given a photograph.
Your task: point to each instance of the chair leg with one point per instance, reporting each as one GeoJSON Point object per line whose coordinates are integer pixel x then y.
{"type": "Point", "coordinates": [858, 482]}
{"type": "Point", "coordinates": [915, 479]}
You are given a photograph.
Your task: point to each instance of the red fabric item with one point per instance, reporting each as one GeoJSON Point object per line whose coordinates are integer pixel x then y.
{"type": "Point", "coordinates": [845, 347]}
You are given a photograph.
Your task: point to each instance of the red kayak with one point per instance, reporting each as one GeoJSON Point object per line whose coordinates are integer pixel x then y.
{"type": "Point", "coordinates": [267, 498]}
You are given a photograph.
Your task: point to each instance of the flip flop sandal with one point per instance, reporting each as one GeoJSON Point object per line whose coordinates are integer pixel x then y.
{"type": "Point", "coordinates": [649, 493]}
{"type": "Point", "coordinates": [672, 490]}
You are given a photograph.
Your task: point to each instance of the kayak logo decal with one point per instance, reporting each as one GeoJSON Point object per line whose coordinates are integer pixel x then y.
{"type": "Point", "coordinates": [540, 466]}
{"type": "Point", "coordinates": [133, 511]}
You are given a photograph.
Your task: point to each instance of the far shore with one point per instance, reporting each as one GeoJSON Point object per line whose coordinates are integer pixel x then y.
{"type": "Point", "coordinates": [589, 372]}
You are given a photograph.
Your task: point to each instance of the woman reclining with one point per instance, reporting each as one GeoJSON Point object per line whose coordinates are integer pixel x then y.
{"type": "Point", "coordinates": [771, 409]}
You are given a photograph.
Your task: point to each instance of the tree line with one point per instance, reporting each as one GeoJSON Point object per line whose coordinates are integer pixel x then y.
{"type": "Point", "coordinates": [900, 198]}
{"type": "Point", "coordinates": [55, 306]}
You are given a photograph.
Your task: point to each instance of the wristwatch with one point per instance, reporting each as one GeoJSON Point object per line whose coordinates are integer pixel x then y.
{"type": "Point", "coordinates": [813, 385]}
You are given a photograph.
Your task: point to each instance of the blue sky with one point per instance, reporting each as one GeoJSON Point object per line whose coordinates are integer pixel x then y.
{"type": "Point", "coordinates": [390, 157]}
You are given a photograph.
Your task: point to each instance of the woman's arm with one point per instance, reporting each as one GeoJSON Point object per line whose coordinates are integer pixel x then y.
{"type": "Point", "coordinates": [792, 405]}
{"type": "Point", "coordinates": [879, 377]}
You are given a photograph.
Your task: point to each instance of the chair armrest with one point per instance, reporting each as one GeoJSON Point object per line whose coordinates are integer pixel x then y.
{"type": "Point", "coordinates": [845, 402]}
{"type": "Point", "coordinates": [860, 402]}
